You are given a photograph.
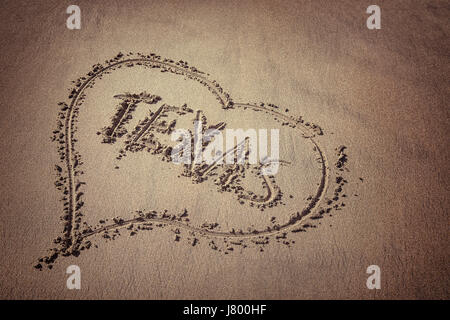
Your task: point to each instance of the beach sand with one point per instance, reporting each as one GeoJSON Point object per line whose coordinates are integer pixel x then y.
{"type": "Point", "coordinates": [362, 123]}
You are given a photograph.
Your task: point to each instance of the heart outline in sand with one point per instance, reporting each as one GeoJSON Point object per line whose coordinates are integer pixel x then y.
{"type": "Point", "coordinates": [74, 240]}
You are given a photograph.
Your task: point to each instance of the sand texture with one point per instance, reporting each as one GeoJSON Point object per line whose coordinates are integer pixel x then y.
{"type": "Point", "coordinates": [86, 165]}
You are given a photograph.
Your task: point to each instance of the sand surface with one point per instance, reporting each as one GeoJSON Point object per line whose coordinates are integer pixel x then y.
{"type": "Point", "coordinates": [362, 122]}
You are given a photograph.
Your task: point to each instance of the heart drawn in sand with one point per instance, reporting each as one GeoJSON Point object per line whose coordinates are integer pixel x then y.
{"type": "Point", "coordinates": [127, 133]}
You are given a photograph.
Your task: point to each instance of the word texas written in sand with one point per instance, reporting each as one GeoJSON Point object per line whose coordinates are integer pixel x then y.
{"type": "Point", "coordinates": [149, 135]}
